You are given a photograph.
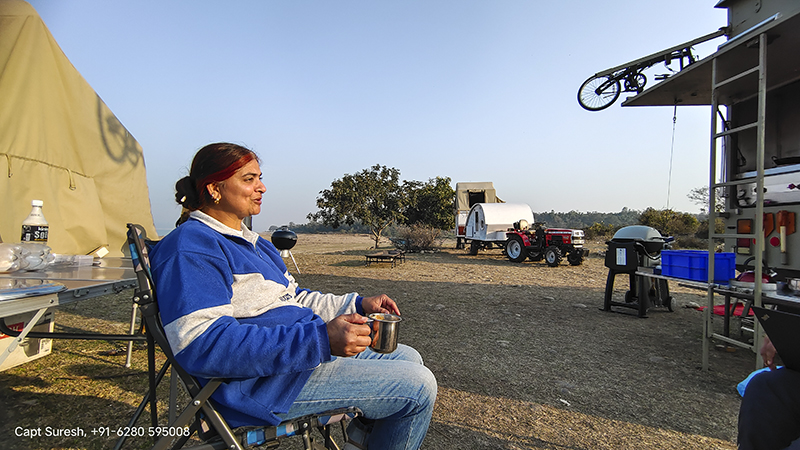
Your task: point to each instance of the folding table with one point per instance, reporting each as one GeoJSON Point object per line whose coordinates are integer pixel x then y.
{"type": "Point", "coordinates": [111, 275]}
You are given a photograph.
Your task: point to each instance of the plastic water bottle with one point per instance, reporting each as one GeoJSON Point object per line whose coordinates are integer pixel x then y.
{"type": "Point", "coordinates": [34, 227]}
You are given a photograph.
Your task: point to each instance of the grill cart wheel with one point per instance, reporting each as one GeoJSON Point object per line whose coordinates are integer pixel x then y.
{"type": "Point", "coordinates": [552, 256]}
{"type": "Point", "coordinates": [630, 297]}
{"type": "Point", "coordinates": [515, 249]}
{"type": "Point", "coordinates": [672, 304]}
{"type": "Point", "coordinates": [474, 246]}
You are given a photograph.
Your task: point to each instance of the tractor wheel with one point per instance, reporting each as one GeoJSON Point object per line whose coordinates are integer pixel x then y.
{"type": "Point", "coordinates": [575, 258]}
{"type": "Point", "coordinates": [552, 256]}
{"type": "Point", "coordinates": [535, 256]}
{"type": "Point", "coordinates": [515, 249]}
{"type": "Point", "coordinates": [474, 246]}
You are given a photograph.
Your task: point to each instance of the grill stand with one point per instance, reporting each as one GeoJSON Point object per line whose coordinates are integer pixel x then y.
{"type": "Point", "coordinates": [643, 292]}
{"type": "Point", "coordinates": [648, 292]}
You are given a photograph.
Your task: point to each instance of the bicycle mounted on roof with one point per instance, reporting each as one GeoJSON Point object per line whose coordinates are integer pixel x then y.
{"type": "Point", "coordinates": [602, 89]}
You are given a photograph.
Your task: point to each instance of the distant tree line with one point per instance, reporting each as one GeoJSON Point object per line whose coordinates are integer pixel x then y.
{"type": "Point", "coordinates": [690, 230]}
{"type": "Point", "coordinates": [584, 220]}
{"type": "Point", "coordinates": [313, 226]}
{"type": "Point", "coordinates": [375, 201]}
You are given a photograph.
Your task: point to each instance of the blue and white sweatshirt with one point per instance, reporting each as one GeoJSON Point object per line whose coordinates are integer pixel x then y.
{"type": "Point", "coordinates": [231, 310]}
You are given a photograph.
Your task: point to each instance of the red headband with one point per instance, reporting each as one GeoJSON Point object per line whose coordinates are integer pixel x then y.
{"type": "Point", "coordinates": [225, 173]}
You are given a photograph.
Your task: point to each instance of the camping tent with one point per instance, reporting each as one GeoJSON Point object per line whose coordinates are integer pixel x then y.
{"type": "Point", "coordinates": [469, 193]}
{"type": "Point", "coordinates": [60, 143]}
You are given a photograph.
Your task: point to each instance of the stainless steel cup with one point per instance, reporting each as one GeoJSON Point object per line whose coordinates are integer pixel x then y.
{"type": "Point", "coordinates": [384, 332]}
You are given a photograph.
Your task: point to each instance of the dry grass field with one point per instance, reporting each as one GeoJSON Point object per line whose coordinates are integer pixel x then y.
{"type": "Point", "coordinates": [524, 356]}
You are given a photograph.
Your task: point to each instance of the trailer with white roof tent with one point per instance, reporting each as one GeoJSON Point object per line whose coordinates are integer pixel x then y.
{"type": "Point", "coordinates": [467, 195]}
{"type": "Point", "coordinates": [511, 226]}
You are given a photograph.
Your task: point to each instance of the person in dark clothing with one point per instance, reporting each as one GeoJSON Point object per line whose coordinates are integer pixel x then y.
{"type": "Point", "coordinates": [769, 417]}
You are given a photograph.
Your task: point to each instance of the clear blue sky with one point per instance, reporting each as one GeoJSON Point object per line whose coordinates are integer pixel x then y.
{"type": "Point", "coordinates": [471, 90]}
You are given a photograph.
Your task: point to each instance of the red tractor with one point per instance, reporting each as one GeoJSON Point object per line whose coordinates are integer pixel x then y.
{"type": "Point", "coordinates": [550, 244]}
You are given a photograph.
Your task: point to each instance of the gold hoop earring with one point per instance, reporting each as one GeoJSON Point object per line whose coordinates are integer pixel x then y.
{"type": "Point", "coordinates": [216, 200]}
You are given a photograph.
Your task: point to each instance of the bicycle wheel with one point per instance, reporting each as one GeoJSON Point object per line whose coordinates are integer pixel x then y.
{"type": "Point", "coordinates": [598, 93]}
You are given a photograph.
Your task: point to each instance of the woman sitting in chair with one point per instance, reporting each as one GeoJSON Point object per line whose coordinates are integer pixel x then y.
{"type": "Point", "coordinates": [231, 310]}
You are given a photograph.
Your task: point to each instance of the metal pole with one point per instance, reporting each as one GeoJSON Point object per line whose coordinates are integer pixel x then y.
{"type": "Point", "coordinates": [760, 140]}
{"type": "Point", "coordinates": [707, 330]}
{"type": "Point", "coordinates": [295, 262]}
{"type": "Point", "coordinates": [131, 331]}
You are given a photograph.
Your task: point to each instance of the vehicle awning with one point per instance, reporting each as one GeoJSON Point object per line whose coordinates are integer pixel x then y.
{"type": "Point", "coordinates": [692, 85]}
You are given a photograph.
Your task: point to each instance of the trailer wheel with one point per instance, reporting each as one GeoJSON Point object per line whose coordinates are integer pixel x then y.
{"type": "Point", "coordinates": [515, 249]}
{"type": "Point", "coordinates": [474, 246]}
{"type": "Point", "coordinates": [575, 258]}
{"type": "Point", "coordinates": [552, 256]}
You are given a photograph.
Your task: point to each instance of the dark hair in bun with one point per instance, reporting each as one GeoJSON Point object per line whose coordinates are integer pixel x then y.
{"type": "Point", "coordinates": [186, 194]}
{"type": "Point", "coordinates": [212, 164]}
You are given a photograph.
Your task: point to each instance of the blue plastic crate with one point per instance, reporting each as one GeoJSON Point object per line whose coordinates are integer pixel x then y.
{"type": "Point", "coordinates": [693, 265]}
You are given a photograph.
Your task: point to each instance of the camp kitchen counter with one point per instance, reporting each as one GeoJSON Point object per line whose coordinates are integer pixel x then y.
{"type": "Point", "coordinates": [767, 297]}
{"type": "Point", "coordinates": [111, 275]}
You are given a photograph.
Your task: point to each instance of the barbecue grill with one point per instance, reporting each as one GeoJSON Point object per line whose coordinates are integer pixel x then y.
{"type": "Point", "coordinates": [284, 240]}
{"type": "Point", "coordinates": [630, 249]}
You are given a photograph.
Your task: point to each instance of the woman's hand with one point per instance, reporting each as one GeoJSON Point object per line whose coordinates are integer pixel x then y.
{"type": "Point", "coordinates": [348, 335]}
{"type": "Point", "coordinates": [379, 304]}
{"type": "Point", "coordinates": [768, 353]}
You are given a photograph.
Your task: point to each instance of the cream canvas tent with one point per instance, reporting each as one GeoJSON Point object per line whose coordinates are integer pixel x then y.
{"type": "Point", "coordinates": [61, 144]}
{"type": "Point", "coordinates": [469, 193]}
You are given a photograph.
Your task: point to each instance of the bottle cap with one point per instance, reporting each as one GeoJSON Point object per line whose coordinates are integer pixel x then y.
{"type": "Point", "coordinates": [37, 203]}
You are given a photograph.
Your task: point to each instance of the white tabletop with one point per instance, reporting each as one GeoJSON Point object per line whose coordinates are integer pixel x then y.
{"type": "Point", "coordinates": [110, 276]}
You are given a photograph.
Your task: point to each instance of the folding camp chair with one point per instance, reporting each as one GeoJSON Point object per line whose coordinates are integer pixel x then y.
{"type": "Point", "coordinates": [199, 416]}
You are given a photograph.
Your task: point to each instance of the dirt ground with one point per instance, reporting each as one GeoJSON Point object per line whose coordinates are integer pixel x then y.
{"type": "Point", "coordinates": [524, 356]}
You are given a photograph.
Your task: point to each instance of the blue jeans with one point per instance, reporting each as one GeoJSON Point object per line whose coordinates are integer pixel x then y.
{"type": "Point", "coordinates": [394, 389]}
